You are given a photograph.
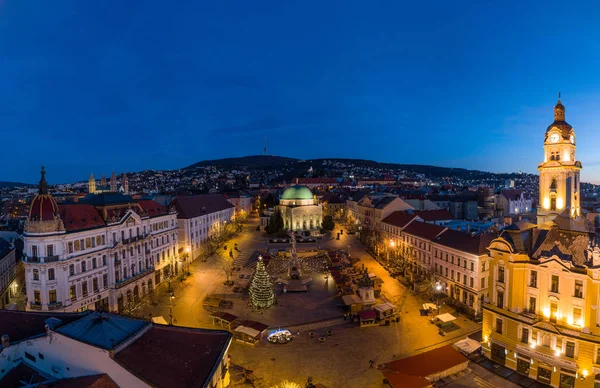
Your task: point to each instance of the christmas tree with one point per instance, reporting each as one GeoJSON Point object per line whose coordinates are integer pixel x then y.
{"type": "Point", "coordinates": [261, 289]}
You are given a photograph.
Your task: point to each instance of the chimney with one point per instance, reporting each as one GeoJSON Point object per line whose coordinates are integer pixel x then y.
{"type": "Point", "coordinates": [5, 341]}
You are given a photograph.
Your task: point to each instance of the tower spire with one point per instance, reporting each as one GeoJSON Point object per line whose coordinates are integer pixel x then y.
{"type": "Point", "coordinates": [43, 187]}
{"type": "Point", "coordinates": [265, 146]}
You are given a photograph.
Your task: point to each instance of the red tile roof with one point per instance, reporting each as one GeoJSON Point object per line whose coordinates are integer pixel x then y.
{"type": "Point", "coordinates": [399, 219]}
{"type": "Point", "coordinates": [93, 381]}
{"type": "Point", "coordinates": [424, 364]}
{"type": "Point", "coordinates": [80, 216]}
{"type": "Point", "coordinates": [199, 205]}
{"type": "Point", "coordinates": [434, 215]}
{"type": "Point", "coordinates": [20, 325]}
{"type": "Point", "coordinates": [367, 314]}
{"type": "Point", "coordinates": [424, 230]}
{"type": "Point", "coordinates": [190, 356]}
{"type": "Point", "coordinates": [465, 242]}
{"type": "Point", "coordinates": [153, 208]}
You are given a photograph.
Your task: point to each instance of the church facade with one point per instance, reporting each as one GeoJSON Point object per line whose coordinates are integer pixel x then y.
{"type": "Point", "coordinates": [300, 210]}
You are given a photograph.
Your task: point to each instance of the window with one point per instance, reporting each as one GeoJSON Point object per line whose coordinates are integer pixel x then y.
{"type": "Point", "coordinates": [103, 259]}
{"type": "Point", "coordinates": [577, 316]}
{"type": "Point", "coordinates": [471, 282]}
{"type": "Point", "coordinates": [117, 276]}
{"type": "Point", "coordinates": [95, 284]}
{"type": "Point", "coordinates": [458, 261]}
{"type": "Point", "coordinates": [52, 296]}
{"type": "Point", "coordinates": [533, 279]}
{"type": "Point", "coordinates": [71, 270]}
{"type": "Point", "coordinates": [72, 292]}
{"type": "Point", "coordinates": [578, 289]}
{"type": "Point", "coordinates": [88, 242]}
{"type": "Point", "coordinates": [83, 266]}
{"type": "Point", "coordinates": [472, 266]}
{"type": "Point", "coordinates": [36, 274]}
{"type": "Point", "coordinates": [94, 263]}
{"type": "Point", "coordinates": [41, 356]}
{"type": "Point", "coordinates": [464, 279]}
{"type": "Point", "coordinates": [570, 349]}
{"type": "Point", "coordinates": [483, 267]}
{"type": "Point", "coordinates": [49, 250]}
{"type": "Point", "coordinates": [77, 246]}
{"type": "Point", "coordinates": [482, 282]}
{"type": "Point", "coordinates": [51, 274]}
{"type": "Point", "coordinates": [554, 286]}
{"type": "Point", "coordinates": [499, 325]}
{"type": "Point", "coordinates": [70, 246]}
{"type": "Point", "coordinates": [29, 356]}
{"type": "Point", "coordinates": [598, 355]}
{"type": "Point", "coordinates": [99, 240]}
{"type": "Point", "coordinates": [525, 335]}
{"type": "Point", "coordinates": [552, 203]}
{"type": "Point", "coordinates": [34, 251]}
{"type": "Point", "coordinates": [36, 297]}
{"type": "Point", "coordinates": [501, 274]}
{"type": "Point", "coordinates": [532, 306]}
{"type": "Point", "coordinates": [105, 280]}
{"type": "Point", "coordinates": [500, 299]}
{"type": "Point", "coordinates": [84, 288]}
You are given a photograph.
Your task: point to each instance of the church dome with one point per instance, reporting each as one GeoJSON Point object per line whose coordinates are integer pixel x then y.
{"type": "Point", "coordinates": [559, 123]}
{"type": "Point", "coordinates": [43, 207]}
{"type": "Point", "coordinates": [297, 192]}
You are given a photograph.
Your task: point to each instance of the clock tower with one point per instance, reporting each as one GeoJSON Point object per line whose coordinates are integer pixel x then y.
{"type": "Point", "coordinates": [559, 172]}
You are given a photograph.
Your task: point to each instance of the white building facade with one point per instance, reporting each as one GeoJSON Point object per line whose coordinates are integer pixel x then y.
{"type": "Point", "coordinates": [105, 252]}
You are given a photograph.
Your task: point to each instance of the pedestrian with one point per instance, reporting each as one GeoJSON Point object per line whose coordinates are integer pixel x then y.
{"type": "Point", "coordinates": [371, 364]}
{"type": "Point", "coordinates": [298, 332]}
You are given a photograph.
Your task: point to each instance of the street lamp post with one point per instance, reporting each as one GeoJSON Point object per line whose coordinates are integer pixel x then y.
{"type": "Point", "coordinates": [171, 297]}
{"type": "Point", "coordinates": [188, 250]}
{"type": "Point", "coordinates": [438, 288]}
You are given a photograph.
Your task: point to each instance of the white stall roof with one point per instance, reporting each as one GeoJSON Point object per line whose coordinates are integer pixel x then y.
{"type": "Point", "coordinates": [384, 307]}
{"type": "Point", "coordinates": [248, 330]}
{"type": "Point", "coordinates": [446, 317]}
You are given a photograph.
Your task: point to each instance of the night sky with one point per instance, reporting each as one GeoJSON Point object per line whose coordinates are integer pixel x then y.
{"type": "Point", "coordinates": [132, 85]}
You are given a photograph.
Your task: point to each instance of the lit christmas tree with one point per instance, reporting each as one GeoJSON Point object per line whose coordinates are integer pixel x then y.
{"type": "Point", "coordinates": [261, 289]}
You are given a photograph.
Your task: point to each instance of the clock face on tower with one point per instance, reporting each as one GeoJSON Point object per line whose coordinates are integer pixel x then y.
{"type": "Point", "coordinates": [572, 138]}
{"type": "Point", "coordinates": [554, 137]}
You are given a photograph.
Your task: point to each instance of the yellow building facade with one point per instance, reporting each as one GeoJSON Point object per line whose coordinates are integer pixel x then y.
{"type": "Point", "coordinates": [542, 317]}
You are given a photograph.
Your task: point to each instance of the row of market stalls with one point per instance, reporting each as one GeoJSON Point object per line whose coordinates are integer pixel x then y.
{"type": "Point", "coordinates": [244, 331]}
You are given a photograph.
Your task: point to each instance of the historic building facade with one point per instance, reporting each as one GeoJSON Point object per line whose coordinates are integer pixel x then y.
{"type": "Point", "coordinates": [199, 218]}
{"type": "Point", "coordinates": [104, 252]}
{"type": "Point", "coordinates": [542, 317]}
{"type": "Point", "coordinates": [299, 209]}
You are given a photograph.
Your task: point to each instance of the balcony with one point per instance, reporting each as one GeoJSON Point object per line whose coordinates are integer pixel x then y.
{"type": "Point", "coordinates": [35, 306]}
{"type": "Point", "coordinates": [133, 239]}
{"type": "Point", "coordinates": [130, 280]}
{"type": "Point", "coordinates": [55, 306]}
{"type": "Point", "coordinates": [40, 259]}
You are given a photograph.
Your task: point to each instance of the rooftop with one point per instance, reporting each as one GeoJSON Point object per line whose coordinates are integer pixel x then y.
{"type": "Point", "coordinates": [198, 351]}
{"type": "Point", "coordinates": [399, 219]}
{"type": "Point", "coordinates": [20, 325]}
{"type": "Point", "coordinates": [199, 205]}
{"type": "Point", "coordinates": [103, 330]}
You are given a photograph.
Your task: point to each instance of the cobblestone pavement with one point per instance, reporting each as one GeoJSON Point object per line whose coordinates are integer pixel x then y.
{"type": "Point", "coordinates": [348, 350]}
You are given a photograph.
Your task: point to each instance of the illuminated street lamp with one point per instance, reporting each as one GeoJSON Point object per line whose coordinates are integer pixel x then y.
{"type": "Point", "coordinates": [171, 297]}
{"type": "Point", "coordinates": [438, 289]}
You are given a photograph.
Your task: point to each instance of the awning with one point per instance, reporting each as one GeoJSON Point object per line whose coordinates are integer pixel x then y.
{"type": "Point", "coordinates": [384, 307]}
{"type": "Point", "coordinates": [248, 331]}
{"type": "Point", "coordinates": [467, 345]}
{"type": "Point", "coordinates": [160, 320]}
{"type": "Point", "coordinates": [429, 306]}
{"type": "Point", "coordinates": [446, 317]}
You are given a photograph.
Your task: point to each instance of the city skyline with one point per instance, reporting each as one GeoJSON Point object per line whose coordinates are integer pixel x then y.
{"type": "Point", "coordinates": [213, 81]}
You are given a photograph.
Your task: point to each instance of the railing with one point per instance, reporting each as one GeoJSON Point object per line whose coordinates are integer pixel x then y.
{"type": "Point", "coordinates": [132, 279]}
{"type": "Point", "coordinates": [133, 239]}
{"type": "Point", "coordinates": [54, 306]}
{"type": "Point", "coordinates": [35, 306]}
{"type": "Point", "coordinates": [40, 259]}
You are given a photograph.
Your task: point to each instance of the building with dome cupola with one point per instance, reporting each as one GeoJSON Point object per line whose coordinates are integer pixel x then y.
{"type": "Point", "coordinates": [300, 210]}
{"type": "Point", "coordinates": [105, 251]}
{"type": "Point", "coordinates": [559, 172]}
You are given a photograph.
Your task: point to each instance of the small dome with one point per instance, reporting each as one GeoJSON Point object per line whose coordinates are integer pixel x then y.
{"type": "Point", "coordinates": [559, 122]}
{"type": "Point", "coordinates": [297, 192]}
{"type": "Point", "coordinates": [43, 207]}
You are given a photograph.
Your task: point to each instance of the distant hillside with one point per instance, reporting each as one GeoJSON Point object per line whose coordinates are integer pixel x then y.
{"type": "Point", "coordinates": [254, 161]}
{"type": "Point", "coordinates": [13, 184]}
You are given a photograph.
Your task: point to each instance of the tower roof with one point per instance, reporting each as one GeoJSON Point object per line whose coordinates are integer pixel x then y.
{"type": "Point", "coordinates": [43, 207]}
{"type": "Point", "coordinates": [559, 123]}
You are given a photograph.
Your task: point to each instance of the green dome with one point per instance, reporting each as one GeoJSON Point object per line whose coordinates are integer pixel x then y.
{"type": "Point", "coordinates": [297, 192]}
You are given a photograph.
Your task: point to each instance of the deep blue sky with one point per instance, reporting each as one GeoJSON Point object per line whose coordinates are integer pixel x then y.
{"type": "Point", "coordinates": [130, 85]}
